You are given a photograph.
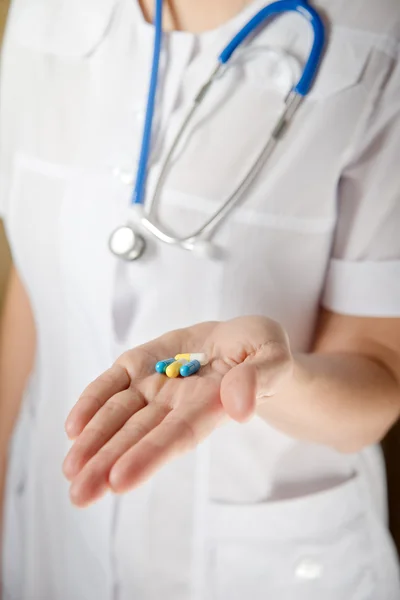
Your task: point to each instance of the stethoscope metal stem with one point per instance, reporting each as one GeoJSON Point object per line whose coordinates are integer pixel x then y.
{"type": "Point", "coordinates": [167, 163]}
{"type": "Point", "coordinates": [293, 102]}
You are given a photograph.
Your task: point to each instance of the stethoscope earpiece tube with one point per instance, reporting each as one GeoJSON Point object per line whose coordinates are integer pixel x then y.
{"type": "Point", "coordinates": [279, 7]}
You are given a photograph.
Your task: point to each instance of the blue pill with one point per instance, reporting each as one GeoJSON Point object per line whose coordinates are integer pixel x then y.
{"type": "Point", "coordinates": [191, 368]}
{"type": "Point", "coordinates": [162, 365]}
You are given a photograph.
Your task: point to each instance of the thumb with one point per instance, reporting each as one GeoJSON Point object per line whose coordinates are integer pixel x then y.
{"type": "Point", "coordinates": [258, 377]}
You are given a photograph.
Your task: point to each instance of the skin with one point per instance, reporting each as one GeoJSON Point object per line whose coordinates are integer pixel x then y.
{"type": "Point", "coordinates": [17, 347]}
{"type": "Point", "coordinates": [184, 15]}
{"type": "Point", "coordinates": [131, 420]}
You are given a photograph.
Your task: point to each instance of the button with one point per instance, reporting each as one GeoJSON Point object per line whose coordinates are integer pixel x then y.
{"type": "Point", "coordinates": [126, 177]}
{"type": "Point", "coordinates": [308, 569]}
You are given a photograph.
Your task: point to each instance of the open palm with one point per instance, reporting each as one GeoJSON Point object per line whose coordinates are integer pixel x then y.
{"type": "Point", "coordinates": [131, 420]}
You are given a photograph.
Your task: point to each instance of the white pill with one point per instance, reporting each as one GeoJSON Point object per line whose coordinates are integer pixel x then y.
{"type": "Point", "coordinates": [200, 356]}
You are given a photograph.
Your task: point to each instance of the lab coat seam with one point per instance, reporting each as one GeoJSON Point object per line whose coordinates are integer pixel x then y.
{"type": "Point", "coordinates": [387, 43]}
{"type": "Point", "coordinates": [255, 217]}
{"type": "Point", "coordinates": [317, 225]}
{"type": "Point", "coordinates": [46, 168]}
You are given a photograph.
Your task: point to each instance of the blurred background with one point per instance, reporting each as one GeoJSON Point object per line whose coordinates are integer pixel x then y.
{"type": "Point", "coordinates": [391, 444]}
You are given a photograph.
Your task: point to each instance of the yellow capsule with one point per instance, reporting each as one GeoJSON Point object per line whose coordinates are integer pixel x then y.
{"type": "Point", "coordinates": [173, 370]}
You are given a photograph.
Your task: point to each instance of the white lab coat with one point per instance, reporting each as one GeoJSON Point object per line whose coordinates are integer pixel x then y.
{"type": "Point", "coordinates": [253, 514]}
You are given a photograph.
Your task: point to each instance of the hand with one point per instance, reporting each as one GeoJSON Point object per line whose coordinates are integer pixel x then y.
{"type": "Point", "coordinates": [131, 420]}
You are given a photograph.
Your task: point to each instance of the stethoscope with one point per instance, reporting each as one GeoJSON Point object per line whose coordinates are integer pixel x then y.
{"type": "Point", "coordinates": [127, 242]}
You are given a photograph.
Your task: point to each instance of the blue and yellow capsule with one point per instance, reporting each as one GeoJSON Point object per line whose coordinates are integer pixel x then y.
{"type": "Point", "coordinates": [191, 368]}
{"type": "Point", "coordinates": [162, 365]}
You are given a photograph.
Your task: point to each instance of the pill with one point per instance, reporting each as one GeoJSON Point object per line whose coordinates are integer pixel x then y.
{"type": "Point", "coordinates": [162, 365]}
{"type": "Point", "coordinates": [200, 356]}
{"type": "Point", "coordinates": [191, 368]}
{"type": "Point", "coordinates": [173, 370]}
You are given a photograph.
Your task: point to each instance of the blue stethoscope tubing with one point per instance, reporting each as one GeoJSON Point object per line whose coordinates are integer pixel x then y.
{"type": "Point", "coordinates": [141, 176]}
{"type": "Point", "coordinates": [268, 12]}
{"type": "Point", "coordinates": [298, 92]}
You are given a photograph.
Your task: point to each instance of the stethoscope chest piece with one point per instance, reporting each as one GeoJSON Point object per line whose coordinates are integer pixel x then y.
{"type": "Point", "coordinates": [126, 243]}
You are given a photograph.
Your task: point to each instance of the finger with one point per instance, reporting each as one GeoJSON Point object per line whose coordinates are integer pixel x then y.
{"type": "Point", "coordinates": [180, 432]}
{"type": "Point", "coordinates": [111, 382]}
{"type": "Point", "coordinates": [137, 363]}
{"type": "Point", "coordinates": [93, 481]}
{"type": "Point", "coordinates": [103, 426]}
{"type": "Point", "coordinates": [258, 377]}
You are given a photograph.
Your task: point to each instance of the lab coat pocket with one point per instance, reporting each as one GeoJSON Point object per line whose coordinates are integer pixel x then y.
{"type": "Point", "coordinates": [311, 548]}
{"type": "Point", "coordinates": [68, 28]}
